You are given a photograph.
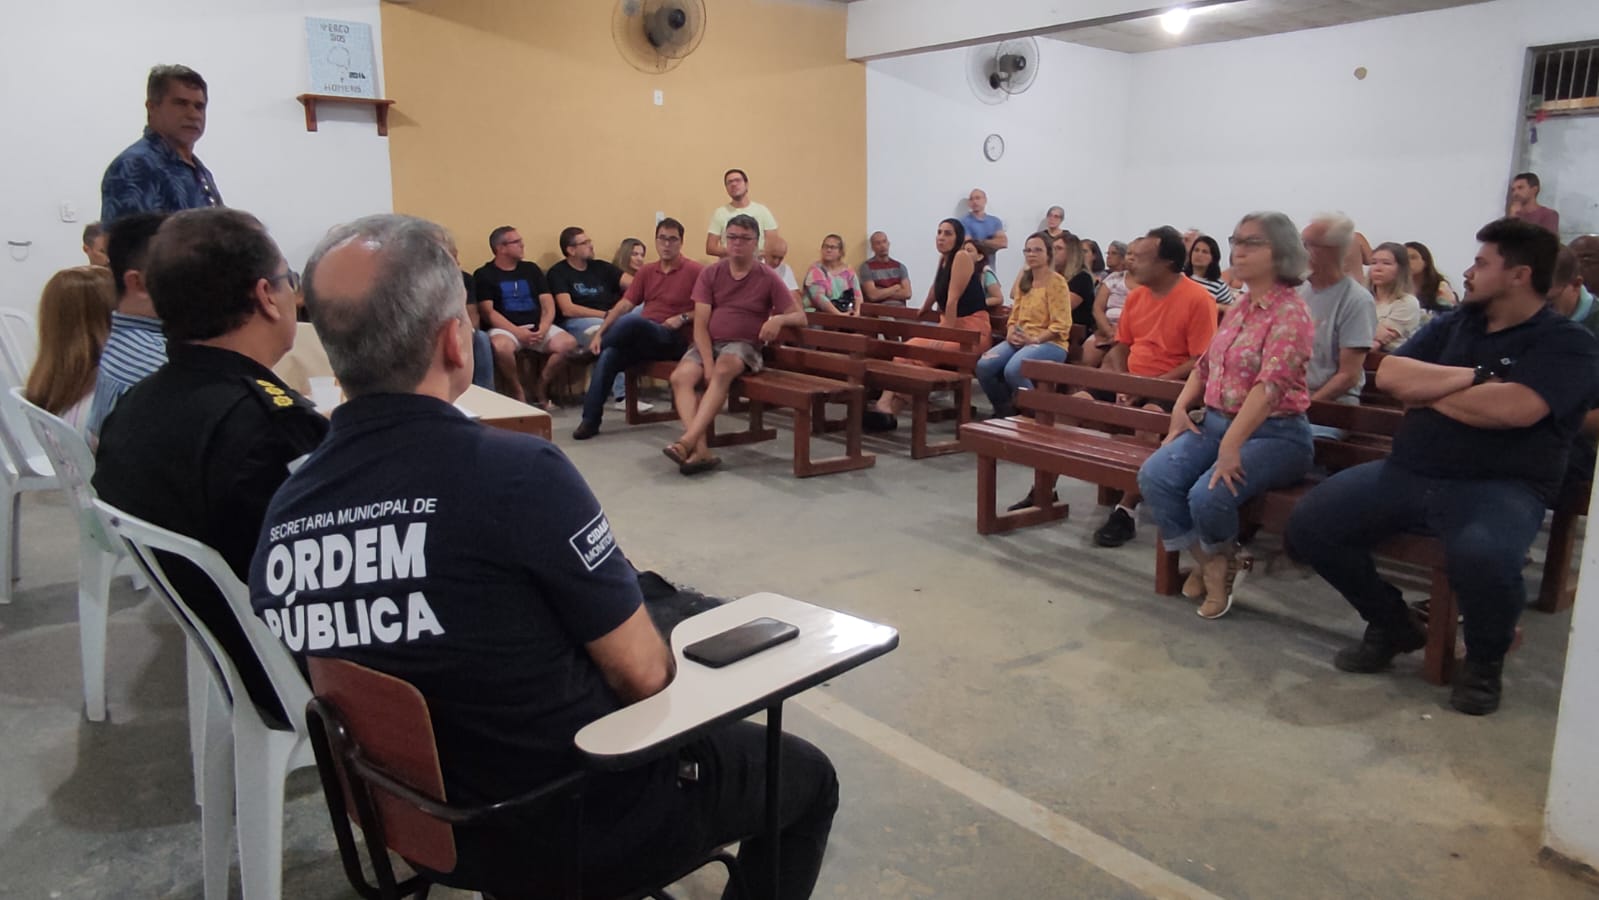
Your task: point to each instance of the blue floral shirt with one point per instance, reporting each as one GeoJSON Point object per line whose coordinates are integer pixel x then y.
{"type": "Point", "coordinates": [150, 176]}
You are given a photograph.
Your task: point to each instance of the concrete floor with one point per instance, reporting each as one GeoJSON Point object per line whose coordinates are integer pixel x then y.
{"type": "Point", "coordinates": [1048, 727]}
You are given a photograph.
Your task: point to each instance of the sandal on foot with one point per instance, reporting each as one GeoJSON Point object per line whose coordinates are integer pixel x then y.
{"type": "Point", "coordinates": [676, 452]}
{"type": "Point", "coordinates": [696, 466]}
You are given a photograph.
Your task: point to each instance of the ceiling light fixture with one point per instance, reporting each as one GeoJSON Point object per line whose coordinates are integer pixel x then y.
{"type": "Point", "coordinates": [1175, 20]}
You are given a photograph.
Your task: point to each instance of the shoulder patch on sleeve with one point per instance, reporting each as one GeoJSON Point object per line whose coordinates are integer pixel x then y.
{"type": "Point", "coordinates": [276, 397]}
{"type": "Point", "coordinates": [594, 542]}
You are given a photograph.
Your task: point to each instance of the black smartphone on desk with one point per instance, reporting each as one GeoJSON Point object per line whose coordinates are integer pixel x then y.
{"type": "Point", "coordinates": [734, 644]}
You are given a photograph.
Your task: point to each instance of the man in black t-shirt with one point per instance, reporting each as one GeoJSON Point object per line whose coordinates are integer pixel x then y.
{"type": "Point", "coordinates": [515, 302]}
{"type": "Point", "coordinates": [585, 289]}
{"type": "Point", "coordinates": [506, 602]}
{"type": "Point", "coordinates": [1494, 393]}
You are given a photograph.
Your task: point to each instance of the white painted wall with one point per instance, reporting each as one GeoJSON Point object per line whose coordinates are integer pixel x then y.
{"type": "Point", "coordinates": [1571, 815]}
{"type": "Point", "coordinates": [1420, 150]}
{"type": "Point", "coordinates": [72, 81]}
{"type": "Point", "coordinates": [924, 145]}
{"type": "Point", "coordinates": [879, 28]}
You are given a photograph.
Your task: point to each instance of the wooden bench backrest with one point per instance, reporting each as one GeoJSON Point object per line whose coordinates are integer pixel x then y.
{"type": "Point", "coordinates": [894, 311]}
{"type": "Point", "coordinates": [1094, 412]}
{"type": "Point", "coordinates": [1380, 421]}
{"type": "Point", "coordinates": [895, 329]}
{"type": "Point", "coordinates": [815, 362]}
{"type": "Point", "coordinates": [1070, 375]}
{"type": "Point", "coordinates": [832, 341]}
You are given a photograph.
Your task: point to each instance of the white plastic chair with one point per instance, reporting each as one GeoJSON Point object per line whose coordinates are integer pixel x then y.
{"type": "Point", "coordinates": [19, 335]}
{"type": "Point", "coordinates": [263, 756]}
{"type": "Point", "coordinates": [98, 551]}
{"type": "Point", "coordinates": [26, 469]}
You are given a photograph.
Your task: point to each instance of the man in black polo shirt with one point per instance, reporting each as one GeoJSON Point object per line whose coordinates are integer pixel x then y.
{"type": "Point", "coordinates": [200, 445]}
{"type": "Point", "coordinates": [505, 601]}
{"type": "Point", "coordinates": [1494, 393]}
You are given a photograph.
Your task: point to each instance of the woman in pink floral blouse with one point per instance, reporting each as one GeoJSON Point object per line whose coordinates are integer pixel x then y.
{"type": "Point", "coordinates": [1239, 428]}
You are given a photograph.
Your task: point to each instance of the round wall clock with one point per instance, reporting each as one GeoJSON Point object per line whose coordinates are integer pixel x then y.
{"type": "Point", "coordinates": [993, 147]}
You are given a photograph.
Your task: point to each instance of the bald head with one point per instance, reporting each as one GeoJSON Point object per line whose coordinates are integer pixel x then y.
{"type": "Point", "coordinates": [378, 290]}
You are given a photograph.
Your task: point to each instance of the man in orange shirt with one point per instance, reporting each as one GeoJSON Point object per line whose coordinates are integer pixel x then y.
{"type": "Point", "coordinates": [1166, 324]}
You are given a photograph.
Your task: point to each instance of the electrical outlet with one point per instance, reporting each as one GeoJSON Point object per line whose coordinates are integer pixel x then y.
{"type": "Point", "coordinates": [660, 98]}
{"type": "Point", "coordinates": [69, 211]}
{"type": "Point", "coordinates": [659, 216]}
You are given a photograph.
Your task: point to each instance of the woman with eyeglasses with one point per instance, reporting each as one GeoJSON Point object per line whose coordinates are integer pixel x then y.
{"type": "Point", "coordinates": [957, 295]}
{"type": "Point", "coordinates": [1109, 300]}
{"type": "Point", "coordinates": [1053, 222]}
{"type": "Point", "coordinates": [831, 285]}
{"type": "Point", "coordinates": [1204, 267]}
{"type": "Point", "coordinates": [1040, 327]}
{"type": "Point", "coordinates": [1238, 429]}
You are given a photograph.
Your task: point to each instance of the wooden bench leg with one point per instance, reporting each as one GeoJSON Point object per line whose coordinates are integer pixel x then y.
{"type": "Point", "coordinates": [1168, 572]}
{"type": "Point", "coordinates": [853, 458]}
{"type": "Point", "coordinates": [987, 495]}
{"type": "Point", "coordinates": [754, 434]}
{"type": "Point", "coordinates": [919, 409]}
{"type": "Point", "coordinates": [633, 390]}
{"type": "Point", "coordinates": [991, 521]}
{"type": "Point", "coordinates": [1438, 660]}
{"type": "Point", "coordinates": [1557, 592]}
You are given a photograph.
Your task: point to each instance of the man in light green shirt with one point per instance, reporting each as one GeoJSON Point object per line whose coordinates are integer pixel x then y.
{"type": "Point", "coordinates": [738, 189]}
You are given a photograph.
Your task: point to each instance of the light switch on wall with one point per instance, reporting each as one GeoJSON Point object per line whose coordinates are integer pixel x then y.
{"type": "Point", "coordinates": [69, 211]}
{"type": "Point", "coordinates": [660, 98]}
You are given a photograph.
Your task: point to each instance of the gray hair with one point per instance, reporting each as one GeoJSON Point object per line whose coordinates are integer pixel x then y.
{"type": "Point", "coordinates": [1118, 246]}
{"type": "Point", "coordinates": [1288, 254]}
{"type": "Point", "coordinates": [743, 220]}
{"type": "Point", "coordinates": [1340, 228]}
{"type": "Point", "coordinates": [379, 340]}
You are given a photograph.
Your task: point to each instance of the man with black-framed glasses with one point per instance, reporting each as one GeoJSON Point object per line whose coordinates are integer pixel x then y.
{"type": "Point", "coordinates": [200, 446]}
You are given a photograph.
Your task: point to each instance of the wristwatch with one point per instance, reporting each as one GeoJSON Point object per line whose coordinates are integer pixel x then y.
{"type": "Point", "coordinates": [1481, 374]}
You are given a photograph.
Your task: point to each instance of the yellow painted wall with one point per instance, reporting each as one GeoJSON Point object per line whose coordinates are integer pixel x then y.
{"type": "Point", "coordinates": [523, 112]}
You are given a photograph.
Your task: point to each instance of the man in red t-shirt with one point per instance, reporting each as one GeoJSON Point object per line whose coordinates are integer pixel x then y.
{"type": "Point", "coordinates": [1524, 191]}
{"type": "Point", "coordinates": [663, 294]}
{"type": "Point", "coordinates": [739, 305]}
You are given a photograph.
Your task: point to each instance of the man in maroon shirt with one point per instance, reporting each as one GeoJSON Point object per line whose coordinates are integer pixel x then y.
{"type": "Point", "coordinates": [659, 331]}
{"type": "Point", "coordinates": [1524, 191]}
{"type": "Point", "coordinates": [739, 305]}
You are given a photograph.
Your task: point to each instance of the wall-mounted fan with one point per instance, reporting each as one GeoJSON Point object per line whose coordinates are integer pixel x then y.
{"type": "Point", "coordinates": [655, 35]}
{"type": "Point", "coordinates": [996, 71]}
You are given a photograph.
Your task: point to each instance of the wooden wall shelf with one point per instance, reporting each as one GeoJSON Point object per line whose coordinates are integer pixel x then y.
{"type": "Point", "coordinates": [309, 101]}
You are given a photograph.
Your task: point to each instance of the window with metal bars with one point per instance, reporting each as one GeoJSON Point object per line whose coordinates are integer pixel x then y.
{"type": "Point", "coordinates": [1565, 80]}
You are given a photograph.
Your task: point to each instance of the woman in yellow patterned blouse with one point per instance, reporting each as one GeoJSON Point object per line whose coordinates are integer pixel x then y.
{"type": "Point", "coordinates": [1040, 327]}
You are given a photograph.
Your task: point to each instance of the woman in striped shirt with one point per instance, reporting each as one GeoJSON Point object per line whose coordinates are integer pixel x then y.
{"type": "Point", "coordinates": [1204, 266]}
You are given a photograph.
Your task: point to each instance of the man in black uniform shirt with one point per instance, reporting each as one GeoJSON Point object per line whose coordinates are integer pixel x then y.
{"type": "Point", "coordinates": [200, 446]}
{"type": "Point", "coordinates": [1494, 393]}
{"type": "Point", "coordinates": [505, 601]}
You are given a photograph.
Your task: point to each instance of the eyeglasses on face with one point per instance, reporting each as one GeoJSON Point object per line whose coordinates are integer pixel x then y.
{"type": "Point", "coordinates": [291, 276]}
{"type": "Point", "coordinates": [739, 238]}
{"type": "Point", "coordinates": [1236, 241]}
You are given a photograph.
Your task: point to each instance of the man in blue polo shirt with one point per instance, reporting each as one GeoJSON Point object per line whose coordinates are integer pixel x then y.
{"type": "Point", "coordinates": [988, 231]}
{"type": "Point", "coordinates": [505, 601]}
{"type": "Point", "coordinates": [159, 172]}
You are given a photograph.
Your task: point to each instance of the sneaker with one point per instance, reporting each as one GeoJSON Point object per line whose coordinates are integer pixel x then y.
{"type": "Point", "coordinates": [585, 430]}
{"type": "Point", "coordinates": [1025, 502]}
{"type": "Point", "coordinates": [1378, 647]}
{"type": "Point", "coordinates": [1117, 530]}
{"type": "Point", "coordinates": [620, 405]}
{"type": "Point", "coordinates": [1477, 686]}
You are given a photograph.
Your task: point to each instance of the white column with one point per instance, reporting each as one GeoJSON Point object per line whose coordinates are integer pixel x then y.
{"type": "Point", "coordinates": [1571, 817]}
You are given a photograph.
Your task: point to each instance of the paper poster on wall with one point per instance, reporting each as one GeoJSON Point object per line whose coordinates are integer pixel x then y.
{"type": "Point", "coordinates": [342, 59]}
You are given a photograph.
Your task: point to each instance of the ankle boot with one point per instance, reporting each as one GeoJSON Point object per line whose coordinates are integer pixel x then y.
{"type": "Point", "coordinates": [1222, 575]}
{"type": "Point", "coordinates": [1478, 686]}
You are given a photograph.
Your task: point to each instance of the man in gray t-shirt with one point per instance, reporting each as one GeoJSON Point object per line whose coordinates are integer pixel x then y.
{"type": "Point", "coordinates": [1344, 312]}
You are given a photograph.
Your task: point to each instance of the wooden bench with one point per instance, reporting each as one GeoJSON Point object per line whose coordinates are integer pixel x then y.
{"type": "Point", "coordinates": [900, 331]}
{"type": "Point", "coordinates": [883, 373]}
{"type": "Point", "coordinates": [1106, 444]}
{"type": "Point", "coordinates": [781, 387]}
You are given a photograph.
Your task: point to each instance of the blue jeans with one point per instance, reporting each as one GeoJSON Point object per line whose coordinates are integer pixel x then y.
{"type": "Point", "coordinates": [630, 340]}
{"type": "Point", "coordinates": [1175, 481]}
{"type": "Point", "coordinates": [999, 370]}
{"type": "Point", "coordinates": [482, 360]}
{"type": "Point", "coordinates": [576, 327]}
{"type": "Point", "coordinates": [1486, 528]}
